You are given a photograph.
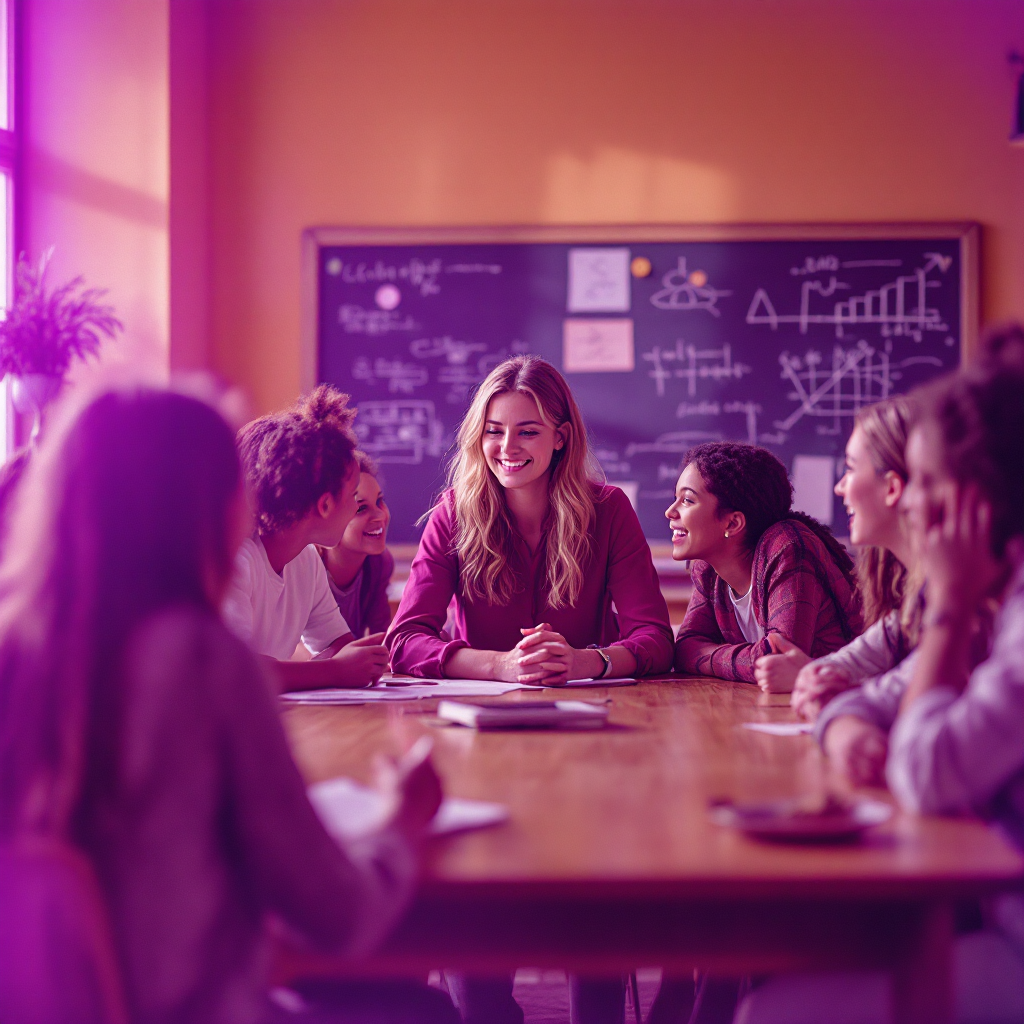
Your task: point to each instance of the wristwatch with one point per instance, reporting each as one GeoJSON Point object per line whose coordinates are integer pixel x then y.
{"type": "Point", "coordinates": [604, 657]}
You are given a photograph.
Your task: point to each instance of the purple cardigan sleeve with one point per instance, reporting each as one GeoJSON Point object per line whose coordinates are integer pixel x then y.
{"type": "Point", "coordinates": [644, 628]}
{"type": "Point", "coordinates": [414, 638]}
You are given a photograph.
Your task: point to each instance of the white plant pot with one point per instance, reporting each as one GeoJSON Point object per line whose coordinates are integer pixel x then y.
{"type": "Point", "coordinates": [32, 393]}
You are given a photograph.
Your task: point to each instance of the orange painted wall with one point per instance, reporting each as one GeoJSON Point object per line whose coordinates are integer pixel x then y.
{"type": "Point", "coordinates": [563, 111]}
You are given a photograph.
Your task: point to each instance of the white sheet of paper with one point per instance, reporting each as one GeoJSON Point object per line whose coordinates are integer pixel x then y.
{"type": "Point", "coordinates": [410, 689]}
{"type": "Point", "coordinates": [780, 728]}
{"type": "Point", "coordinates": [612, 681]}
{"type": "Point", "coordinates": [814, 477]}
{"type": "Point", "coordinates": [597, 346]}
{"type": "Point", "coordinates": [598, 280]}
{"type": "Point", "coordinates": [349, 810]}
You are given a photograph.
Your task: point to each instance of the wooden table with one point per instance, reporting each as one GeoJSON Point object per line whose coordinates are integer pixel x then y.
{"type": "Point", "coordinates": [609, 861]}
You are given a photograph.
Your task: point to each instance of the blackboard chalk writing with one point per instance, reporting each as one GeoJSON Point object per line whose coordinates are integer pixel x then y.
{"type": "Point", "coordinates": [858, 377]}
{"type": "Point", "coordinates": [473, 268]}
{"type": "Point", "coordinates": [400, 431]}
{"type": "Point", "coordinates": [857, 264]}
{"type": "Point", "coordinates": [356, 320]}
{"type": "Point", "coordinates": [401, 378]}
{"type": "Point", "coordinates": [816, 265]}
{"type": "Point", "coordinates": [685, 409]}
{"type": "Point", "coordinates": [692, 364]}
{"type": "Point", "coordinates": [457, 353]}
{"type": "Point", "coordinates": [678, 442]}
{"type": "Point", "coordinates": [668, 472]}
{"type": "Point", "coordinates": [683, 291]}
{"type": "Point", "coordinates": [611, 462]}
{"type": "Point", "coordinates": [750, 410]}
{"type": "Point", "coordinates": [899, 307]}
{"type": "Point", "coordinates": [421, 274]}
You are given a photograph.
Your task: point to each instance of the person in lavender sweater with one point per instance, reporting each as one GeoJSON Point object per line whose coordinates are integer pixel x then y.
{"type": "Point", "coordinates": [359, 567]}
{"type": "Point", "coordinates": [957, 743]}
{"type": "Point", "coordinates": [135, 727]}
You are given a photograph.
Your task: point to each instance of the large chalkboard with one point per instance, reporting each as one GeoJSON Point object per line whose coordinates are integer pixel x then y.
{"type": "Point", "coordinates": [667, 336]}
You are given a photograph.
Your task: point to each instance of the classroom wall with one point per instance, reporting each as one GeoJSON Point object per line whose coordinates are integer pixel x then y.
{"type": "Point", "coordinates": [96, 157]}
{"type": "Point", "coordinates": [584, 111]}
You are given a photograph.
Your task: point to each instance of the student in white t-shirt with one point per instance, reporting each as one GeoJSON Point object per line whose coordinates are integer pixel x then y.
{"type": "Point", "coordinates": [302, 476]}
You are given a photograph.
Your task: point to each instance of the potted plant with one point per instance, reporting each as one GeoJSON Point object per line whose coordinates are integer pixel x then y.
{"type": "Point", "coordinates": [44, 331]}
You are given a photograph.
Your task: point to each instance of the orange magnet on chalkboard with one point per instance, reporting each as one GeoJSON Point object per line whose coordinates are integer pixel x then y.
{"type": "Point", "coordinates": [640, 267]}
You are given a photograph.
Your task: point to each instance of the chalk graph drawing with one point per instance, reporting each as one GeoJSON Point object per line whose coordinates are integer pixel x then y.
{"type": "Point", "coordinates": [684, 291]}
{"type": "Point", "coordinates": [899, 308]}
{"type": "Point", "coordinates": [401, 378]}
{"type": "Point", "coordinates": [856, 377]}
{"type": "Point", "coordinates": [691, 364]}
{"type": "Point", "coordinates": [400, 431]}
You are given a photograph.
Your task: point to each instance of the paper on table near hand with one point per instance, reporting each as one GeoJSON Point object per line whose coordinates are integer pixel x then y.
{"type": "Point", "coordinates": [349, 810]}
{"type": "Point", "coordinates": [780, 728]}
{"type": "Point", "coordinates": [615, 681]}
{"type": "Point", "coordinates": [390, 688]}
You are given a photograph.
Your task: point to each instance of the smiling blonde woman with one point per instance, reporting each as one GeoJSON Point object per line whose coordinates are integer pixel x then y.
{"type": "Point", "coordinates": [534, 549]}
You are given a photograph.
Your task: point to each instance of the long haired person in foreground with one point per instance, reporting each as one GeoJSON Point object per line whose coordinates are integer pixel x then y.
{"type": "Point", "coordinates": [136, 728]}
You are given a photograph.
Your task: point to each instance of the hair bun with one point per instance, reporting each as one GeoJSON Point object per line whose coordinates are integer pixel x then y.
{"type": "Point", "coordinates": [326, 406]}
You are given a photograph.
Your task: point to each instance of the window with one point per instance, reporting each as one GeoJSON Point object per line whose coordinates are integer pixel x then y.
{"type": "Point", "coordinates": [9, 160]}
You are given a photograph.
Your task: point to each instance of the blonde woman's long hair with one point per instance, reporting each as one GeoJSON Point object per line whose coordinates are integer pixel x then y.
{"type": "Point", "coordinates": [485, 526]}
{"type": "Point", "coordinates": [885, 583]}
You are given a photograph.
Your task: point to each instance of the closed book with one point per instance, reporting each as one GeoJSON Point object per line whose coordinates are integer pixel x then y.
{"type": "Point", "coordinates": [557, 714]}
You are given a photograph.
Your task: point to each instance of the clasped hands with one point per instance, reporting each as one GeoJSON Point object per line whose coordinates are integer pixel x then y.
{"type": "Point", "coordinates": [546, 658]}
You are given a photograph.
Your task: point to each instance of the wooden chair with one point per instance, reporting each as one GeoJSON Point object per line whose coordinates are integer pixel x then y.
{"type": "Point", "coordinates": [57, 961]}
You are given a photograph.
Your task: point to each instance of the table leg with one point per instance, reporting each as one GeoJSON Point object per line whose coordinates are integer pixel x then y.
{"type": "Point", "coordinates": [922, 980]}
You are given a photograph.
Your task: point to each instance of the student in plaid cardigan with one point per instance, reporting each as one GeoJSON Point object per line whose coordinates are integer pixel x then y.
{"type": "Point", "coordinates": [765, 578]}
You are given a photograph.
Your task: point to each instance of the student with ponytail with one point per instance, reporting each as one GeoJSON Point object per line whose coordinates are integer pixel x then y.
{"type": "Point", "coordinates": [765, 578]}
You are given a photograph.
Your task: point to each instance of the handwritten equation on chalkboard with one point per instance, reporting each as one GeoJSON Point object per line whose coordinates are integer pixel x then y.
{"type": "Point", "coordinates": [666, 343]}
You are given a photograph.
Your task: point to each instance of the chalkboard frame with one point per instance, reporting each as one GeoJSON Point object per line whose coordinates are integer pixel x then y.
{"type": "Point", "coordinates": [966, 233]}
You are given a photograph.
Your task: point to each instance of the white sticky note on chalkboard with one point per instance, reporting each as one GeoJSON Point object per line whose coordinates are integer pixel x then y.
{"type": "Point", "coordinates": [597, 346]}
{"type": "Point", "coordinates": [813, 481]}
{"type": "Point", "coordinates": [598, 281]}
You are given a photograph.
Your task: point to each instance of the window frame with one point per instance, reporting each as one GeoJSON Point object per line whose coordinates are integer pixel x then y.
{"type": "Point", "coordinates": [11, 161]}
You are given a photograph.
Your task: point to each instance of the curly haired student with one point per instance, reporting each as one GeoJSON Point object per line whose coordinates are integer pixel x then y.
{"type": "Point", "coordinates": [302, 474]}
{"type": "Point", "coordinates": [765, 578]}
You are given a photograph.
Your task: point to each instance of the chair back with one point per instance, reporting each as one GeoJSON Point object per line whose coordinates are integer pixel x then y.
{"type": "Point", "coordinates": [57, 961]}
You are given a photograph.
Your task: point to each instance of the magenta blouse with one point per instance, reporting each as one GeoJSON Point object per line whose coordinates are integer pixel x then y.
{"type": "Point", "coordinates": [619, 569]}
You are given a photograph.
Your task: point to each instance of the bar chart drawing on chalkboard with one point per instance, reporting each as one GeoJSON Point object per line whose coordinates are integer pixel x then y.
{"type": "Point", "coordinates": [682, 290]}
{"type": "Point", "coordinates": [899, 307]}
